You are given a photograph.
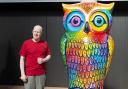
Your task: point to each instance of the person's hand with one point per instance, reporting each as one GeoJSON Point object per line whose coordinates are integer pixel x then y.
{"type": "Point", "coordinates": [40, 60]}
{"type": "Point", "coordinates": [23, 78]}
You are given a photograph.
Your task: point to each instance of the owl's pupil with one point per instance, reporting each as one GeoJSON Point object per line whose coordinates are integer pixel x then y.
{"type": "Point", "coordinates": [99, 20]}
{"type": "Point", "coordinates": [75, 21]}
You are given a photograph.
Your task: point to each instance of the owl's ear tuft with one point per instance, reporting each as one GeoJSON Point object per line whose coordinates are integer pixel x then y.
{"type": "Point", "coordinates": [111, 5]}
{"type": "Point", "coordinates": [107, 6]}
{"type": "Point", "coordinates": [68, 7]}
{"type": "Point", "coordinates": [65, 7]}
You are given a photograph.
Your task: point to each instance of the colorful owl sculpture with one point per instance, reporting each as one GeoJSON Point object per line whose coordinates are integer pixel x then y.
{"type": "Point", "coordinates": [86, 45]}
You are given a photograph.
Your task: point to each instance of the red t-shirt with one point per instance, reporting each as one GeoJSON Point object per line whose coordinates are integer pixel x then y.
{"type": "Point", "coordinates": [31, 51]}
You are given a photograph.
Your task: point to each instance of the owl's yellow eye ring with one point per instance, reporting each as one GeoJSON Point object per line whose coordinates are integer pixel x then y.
{"type": "Point", "coordinates": [98, 21]}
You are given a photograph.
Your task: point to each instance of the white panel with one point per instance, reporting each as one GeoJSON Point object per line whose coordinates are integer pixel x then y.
{"type": "Point", "coordinates": [9, 1]}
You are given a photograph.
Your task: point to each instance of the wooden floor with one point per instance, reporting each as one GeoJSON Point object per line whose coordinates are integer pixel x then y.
{"type": "Point", "coordinates": [21, 87]}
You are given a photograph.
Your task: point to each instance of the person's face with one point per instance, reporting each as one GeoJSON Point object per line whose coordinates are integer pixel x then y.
{"type": "Point", "coordinates": [37, 32]}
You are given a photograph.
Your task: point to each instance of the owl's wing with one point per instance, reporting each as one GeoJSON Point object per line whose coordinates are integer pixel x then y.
{"type": "Point", "coordinates": [63, 48]}
{"type": "Point", "coordinates": [110, 49]}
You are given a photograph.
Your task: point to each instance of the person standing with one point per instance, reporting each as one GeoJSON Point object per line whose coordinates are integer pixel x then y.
{"type": "Point", "coordinates": [34, 53]}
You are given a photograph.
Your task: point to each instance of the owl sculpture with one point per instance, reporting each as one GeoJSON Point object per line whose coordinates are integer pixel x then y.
{"type": "Point", "coordinates": [87, 46]}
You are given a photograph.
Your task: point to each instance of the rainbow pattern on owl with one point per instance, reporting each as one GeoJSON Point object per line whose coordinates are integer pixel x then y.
{"type": "Point", "coordinates": [86, 45]}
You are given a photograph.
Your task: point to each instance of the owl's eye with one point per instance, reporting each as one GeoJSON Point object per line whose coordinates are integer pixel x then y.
{"type": "Point", "coordinates": [74, 21]}
{"type": "Point", "coordinates": [99, 21]}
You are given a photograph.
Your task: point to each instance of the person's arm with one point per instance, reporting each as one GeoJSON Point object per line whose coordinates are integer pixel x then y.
{"type": "Point", "coordinates": [46, 58]}
{"type": "Point", "coordinates": [23, 76]}
{"type": "Point", "coordinates": [42, 60]}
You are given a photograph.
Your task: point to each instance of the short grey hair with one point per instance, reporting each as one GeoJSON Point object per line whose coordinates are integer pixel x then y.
{"type": "Point", "coordinates": [39, 26]}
